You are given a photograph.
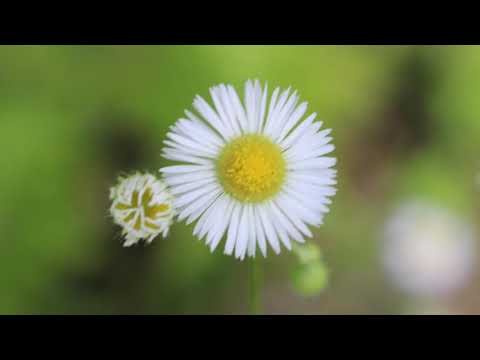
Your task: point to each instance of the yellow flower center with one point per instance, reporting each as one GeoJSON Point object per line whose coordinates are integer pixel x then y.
{"type": "Point", "coordinates": [251, 168]}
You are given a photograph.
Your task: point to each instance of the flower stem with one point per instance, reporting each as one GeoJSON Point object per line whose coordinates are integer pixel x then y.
{"type": "Point", "coordinates": [254, 280]}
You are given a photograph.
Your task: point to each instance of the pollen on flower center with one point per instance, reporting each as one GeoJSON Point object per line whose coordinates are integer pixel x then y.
{"type": "Point", "coordinates": [251, 168]}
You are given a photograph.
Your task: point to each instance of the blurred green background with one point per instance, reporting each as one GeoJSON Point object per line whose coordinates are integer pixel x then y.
{"type": "Point", "coordinates": [405, 119]}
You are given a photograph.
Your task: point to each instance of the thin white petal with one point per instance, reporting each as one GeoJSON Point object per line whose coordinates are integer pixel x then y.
{"type": "Point", "coordinates": [272, 119]}
{"type": "Point", "coordinates": [218, 214]}
{"type": "Point", "coordinates": [180, 142]}
{"type": "Point", "coordinates": [224, 222]}
{"type": "Point", "coordinates": [263, 106]}
{"type": "Point", "coordinates": [260, 234]}
{"type": "Point", "coordinates": [173, 180]}
{"type": "Point", "coordinates": [286, 223]}
{"type": "Point", "coordinates": [194, 209]}
{"type": "Point", "coordinates": [250, 105]}
{"type": "Point", "coordinates": [242, 239]}
{"type": "Point", "coordinates": [292, 215]}
{"type": "Point", "coordinates": [280, 230]}
{"type": "Point", "coordinates": [210, 116]}
{"type": "Point", "coordinates": [320, 151]}
{"type": "Point", "coordinates": [179, 189]}
{"type": "Point", "coordinates": [239, 110]}
{"type": "Point", "coordinates": [312, 179]}
{"type": "Point", "coordinates": [204, 223]}
{"type": "Point", "coordinates": [284, 115]}
{"type": "Point", "coordinates": [293, 120]}
{"type": "Point", "coordinates": [207, 129]}
{"type": "Point", "coordinates": [196, 129]}
{"type": "Point", "coordinates": [233, 229]}
{"type": "Point", "coordinates": [181, 169]}
{"type": "Point", "coordinates": [229, 110]}
{"type": "Point", "coordinates": [190, 196]}
{"type": "Point", "coordinates": [291, 202]}
{"type": "Point", "coordinates": [222, 114]}
{"type": "Point", "coordinates": [252, 232]}
{"type": "Point", "coordinates": [271, 108]}
{"type": "Point", "coordinates": [175, 155]}
{"type": "Point", "coordinates": [323, 162]}
{"type": "Point", "coordinates": [202, 207]}
{"type": "Point", "coordinates": [269, 231]}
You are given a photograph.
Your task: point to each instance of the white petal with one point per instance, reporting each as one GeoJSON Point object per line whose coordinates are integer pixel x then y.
{"type": "Point", "coordinates": [181, 142]}
{"type": "Point", "coordinates": [182, 149]}
{"type": "Point", "coordinates": [179, 189]}
{"type": "Point", "coordinates": [250, 105]}
{"type": "Point", "coordinates": [230, 110]}
{"type": "Point", "coordinates": [224, 222]}
{"type": "Point", "coordinates": [285, 222]}
{"type": "Point", "coordinates": [205, 128]}
{"type": "Point", "coordinates": [196, 208]}
{"type": "Point", "coordinates": [305, 155]}
{"type": "Point", "coordinates": [284, 115]}
{"type": "Point", "coordinates": [260, 234]}
{"type": "Point", "coordinates": [293, 120]}
{"type": "Point", "coordinates": [292, 215]}
{"type": "Point", "coordinates": [196, 129]}
{"type": "Point", "coordinates": [323, 162]}
{"type": "Point", "coordinates": [269, 231]}
{"type": "Point", "coordinates": [233, 229]}
{"type": "Point", "coordinates": [263, 106]}
{"type": "Point", "coordinates": [242, 239]}
{"type": "Point", "coordinates": [218, 214]}
{"type": "Point", "coordinates": [309, 191]}
{"type": "Point", "coordinates": [239, 110]}
{"type": "Point", "coordinates": [280, 230]}
{"type": "Point", "coordinates": [223, 115]}
{"type": "Point", "coordinates": [313, 206]}
{"type": "Point", "coordinates": [303, 127]}
{"type": "Point", "coordinates": [210, 116]}
{"type": "Point", "coordinates": [190, 196]}
{"type": "Point", "coordinates": [312, 179]}
{"type": "Point", "coordinates": [175, 179]}
{"type": "Point", "coordinates": [176, 155]}
{"type": "Point", "coordinates": [272, 119]}
{"type": "Point", "coordinates": [252, 232]}
{"type": "Point", "coordinates": [271, 108]}
{"type": "Point", "coordinates": [311, 140]}
{"type": "Point", "coordinates": [181, 169]}
{"type": "Point", "coordinates": [204, 223]}
{"type": "Point", "coordinates": [293, 204]}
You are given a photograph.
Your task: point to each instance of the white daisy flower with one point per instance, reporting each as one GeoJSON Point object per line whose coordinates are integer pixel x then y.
{"type": "Point", "coordinates": [142, 206]}
{"type": "Point", "coordinates": [428, 251]}
{"type": "Point", "coordinates": [254, 172]}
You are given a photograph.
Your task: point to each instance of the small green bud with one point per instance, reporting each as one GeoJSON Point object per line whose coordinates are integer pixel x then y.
{"type": "Point", "coordinates": [307, 253]}
{"type": "Point", "coordinates": [310, 279]}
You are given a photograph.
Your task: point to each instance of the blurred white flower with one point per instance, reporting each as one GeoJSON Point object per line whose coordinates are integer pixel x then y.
{"type": "Point", "coordinates": [255, 172]}
{"type": "Point", "coordinates": [142, 206]}
{"type": "Point", "coordinates": [428, 251]}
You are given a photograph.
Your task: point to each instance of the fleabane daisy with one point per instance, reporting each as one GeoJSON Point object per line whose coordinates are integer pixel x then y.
{"type": "Point", "coordinates": [142, 206]}
{"type": "Point", "coordinates": [255, 172]}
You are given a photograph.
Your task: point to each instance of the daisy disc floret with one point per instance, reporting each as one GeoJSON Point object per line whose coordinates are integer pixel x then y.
{"type": "Point", "coordinates": [142, 206]}
{"type": "Point", "coordinates": [254, 173]}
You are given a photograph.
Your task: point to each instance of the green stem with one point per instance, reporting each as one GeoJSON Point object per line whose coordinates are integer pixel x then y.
{"type": "Point", "coordinates": [254, 280]}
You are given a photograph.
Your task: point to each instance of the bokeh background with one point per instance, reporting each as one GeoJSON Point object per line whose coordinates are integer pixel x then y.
{"type": "Point", "coordinates": [406, 124]}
